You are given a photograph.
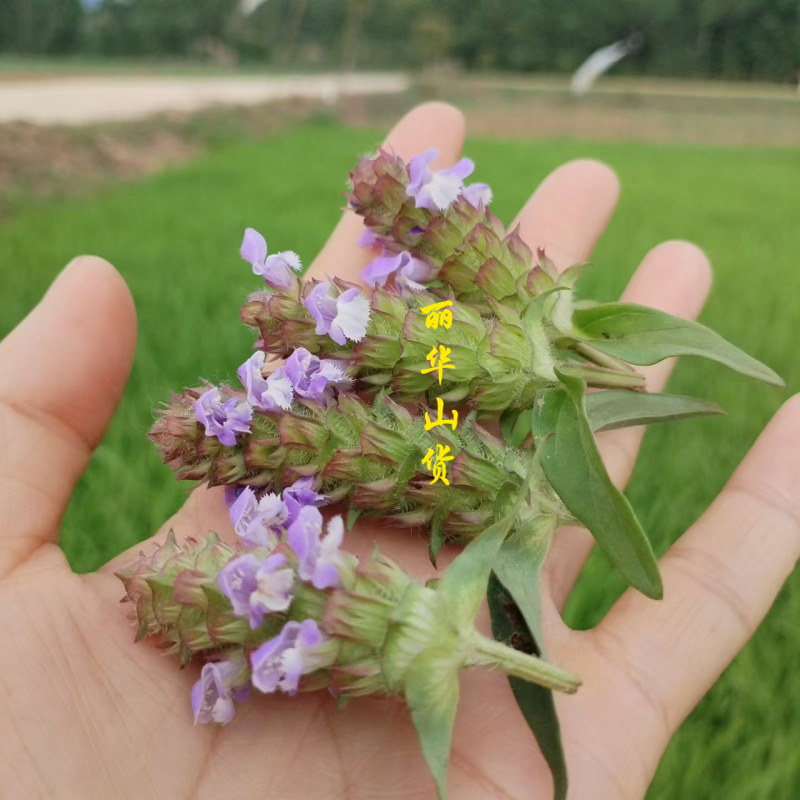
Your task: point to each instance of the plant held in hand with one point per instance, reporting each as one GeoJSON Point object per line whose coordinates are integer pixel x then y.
{"type": "Point", "coordinates": [289, 610]}
{"type": "Point", "coordinates": [458, 311]}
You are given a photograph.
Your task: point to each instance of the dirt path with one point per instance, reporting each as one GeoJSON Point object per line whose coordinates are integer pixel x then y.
{"type": "Point", "coordinates": [79, 101]}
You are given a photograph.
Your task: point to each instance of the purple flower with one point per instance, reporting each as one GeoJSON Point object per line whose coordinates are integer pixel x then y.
{"type": "Point", "coordinates": [310, 377]}
{"type": "Point", "coordinates": [343, 317]}
{"type": "Point", "coordinates": [258, 523]}
{"type": "Point", "coordinates": [231, 493]}
{"type": "Point", "coordinates": [409, 270]}
{"type": "Point", "coordinates": [276, 270]}
{"type": "Point", "coordinates": [369, 239]}
{"type": "Point", "coordinates": [436, 189]}
{"type": "Point", "coordinates": [212, 699]}
{"type": "Point", "coordinates": [279, 663]}
{"type": "Point", "coordinates": [223, 419]}
{"type": "Point", "coordinates": [319, 558]}
{"type": "Point", "coordinates": [256, 588]}
{"type": "Point", "coordinates": [300, 494]}
{"type": "Point", "coordinates": [478, 195]}
{"type": "Point", "coordinates": [266, 394]}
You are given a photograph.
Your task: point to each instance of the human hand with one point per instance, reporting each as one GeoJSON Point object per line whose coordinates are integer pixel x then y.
{"type": "Point", "coordinates": [89, 714]}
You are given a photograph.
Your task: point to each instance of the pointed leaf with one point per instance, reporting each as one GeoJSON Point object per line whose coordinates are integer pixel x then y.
{"type": "Point", "coordinates": [432, 697]}
{"type": "Point", "coordinates": [515, 608]}
{"type": "Point", "coordinates": [508, 419]}
{"type": "Point", "coordinates": [437, 538]}
{"type": "Point", "coordinates": [641, 335]}
{"type": "Point", "coordinates": [353, 514]}
{"type": "Point", "coordinates": [573, 466]}
{"type": "Point", "coordinates": [464, 583]}
{"type": "Point", "coordinates": [517, 566]}
{"type": "Point", "coordinates": [619, 408]}
{"type": "Point", "coordinates": [535, 702]}
{"type": "Point", "coordinates": [515, 425]}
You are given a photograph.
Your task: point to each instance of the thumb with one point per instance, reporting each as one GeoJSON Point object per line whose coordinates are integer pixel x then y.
{"type": "Point", "coordinates": [62, 373]}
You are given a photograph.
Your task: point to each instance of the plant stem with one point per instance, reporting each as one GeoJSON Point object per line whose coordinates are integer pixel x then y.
{"type": "Point", "coordinates": [606, 378]}
{"type": "Point", "coordinates": [493, 655]}
{"type": "Point", "coordinates": [602, 359]}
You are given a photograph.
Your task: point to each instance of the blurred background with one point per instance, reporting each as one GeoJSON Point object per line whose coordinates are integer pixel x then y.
{"type": "Point", "coordinates": [151, 132]}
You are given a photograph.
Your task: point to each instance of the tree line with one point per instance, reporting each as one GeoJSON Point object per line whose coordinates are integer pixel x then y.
{"type": "Point", "coordinates": [733, 39]}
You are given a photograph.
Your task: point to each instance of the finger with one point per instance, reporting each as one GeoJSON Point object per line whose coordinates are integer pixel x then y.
{"type": "Point", "coordinates": [720, 579]}
{"type": "Point", "coordinates": [569, 211]}
{"type": "Point", "coordinates": [62, 373]}
{"type": "Point", "coordinates": [674, 277]}
{"type": "Point", "coordinates": [436, 125]}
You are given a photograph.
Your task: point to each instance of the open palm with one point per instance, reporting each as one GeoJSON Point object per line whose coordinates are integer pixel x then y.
{"type": "Point", "coordinates": [87, 713]}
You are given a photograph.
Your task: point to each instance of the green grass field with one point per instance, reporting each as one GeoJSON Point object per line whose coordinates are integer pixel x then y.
{"type": "Point", "coordinates": [175, 239]}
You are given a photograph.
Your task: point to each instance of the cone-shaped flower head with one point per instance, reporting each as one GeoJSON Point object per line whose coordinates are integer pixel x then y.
{"type": "Point", "coordinates": [370, 631]}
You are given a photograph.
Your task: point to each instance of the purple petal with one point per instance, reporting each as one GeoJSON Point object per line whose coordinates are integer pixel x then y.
{"type": "Point", "coordinates": [300, 366]}
{"type": "Point", "coordinates": [436, 189]}
{"type": "Point", "coordinates": [223, 419]}
{"type": "Point", "coordinates": [272, 509]}
{"type": "Point", "coordinates": [379, 269]}
{"type": "Point", "coordinates": [237, 581]}
{"type": "Point", "coordinates": [301, 494]}
{"type": "Point", "coordinates": [211, 699]}
{"type": "Point", "coordinates": [478, 195]}
{"type": "Point", "coordinates": [266, 661]}
{"type": "Point", "coordinates": [417, 270]}
{"type": "Point", "coordinates": [419, 171]}
{"type": "Point", "coordinates": [322, 307]}
{"type": "Point", "coordinates": [329, 558]}
{"type": "Point", "coordinates": [303, 537]}
{"type": "Point", "coordinates": [369, 239]}
{"type": "Point", "coordinates": [279, 389]}
{"type": "Point", "coordinates": [463, 169]}
{"type": "Point", "coordinates": [266, 394]}
{"type": "Point", "coordinates": [232, 493]}
{"type": "Point", "coordinates": [254, 248]}
{"type": "Point", "coordinates": [277, 269]}
{"type": "Point", "coordinates": [352, 317]}
{"type": "Point", "coordinates": [299, 659]}
{"type": "Point", "coordinates": [274, 589]}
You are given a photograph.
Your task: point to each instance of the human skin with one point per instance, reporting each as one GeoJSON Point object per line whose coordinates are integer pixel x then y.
{"type": "Point", "coordinates": [89, 714]}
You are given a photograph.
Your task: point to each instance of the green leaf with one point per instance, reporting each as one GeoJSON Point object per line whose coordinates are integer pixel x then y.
{"type": "Point", "coordinates": [573, 466]}
{"type": "Point", "coordinates": [515, 605]}
{"type": "Point", "coordinates": [641, 335]}
{"type": "Point", "coordinates": [517, 566]}
{"type": "Point", "coordinates": [432, 697]}
{"type": "Point", "coordinates": [463, 585]}
{"type": "Point", "coordinates": [535, 702]}
{"type": "Point", "coordinates": [437, 538]}
{"type": "Point", "coordinates": [515, 425]}
{"type": "Point", "coordinates": [508, 419]}
{"type": "Point", "coordinates": [619, 408]}
{"type": "Point", "coordinates": [353, 514]}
